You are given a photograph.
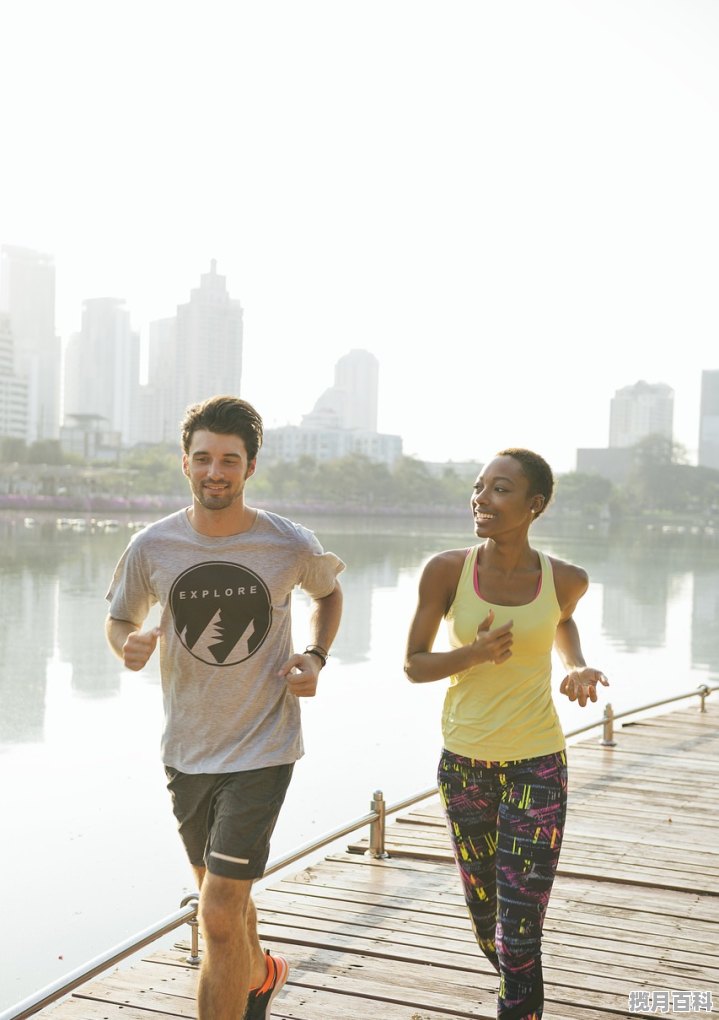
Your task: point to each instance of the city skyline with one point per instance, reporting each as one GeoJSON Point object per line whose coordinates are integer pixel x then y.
{"type": "Point", "coordinates": [205, 339]}
{"type": "Point", "coordinates": [512, 230]}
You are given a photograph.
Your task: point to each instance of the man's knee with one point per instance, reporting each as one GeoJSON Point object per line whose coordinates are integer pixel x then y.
{"type": "Point", "coordinates": [224, 904]}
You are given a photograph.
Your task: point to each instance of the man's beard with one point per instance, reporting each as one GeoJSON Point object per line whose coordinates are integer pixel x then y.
{"type": "Point", "coordinates": [216, 500]}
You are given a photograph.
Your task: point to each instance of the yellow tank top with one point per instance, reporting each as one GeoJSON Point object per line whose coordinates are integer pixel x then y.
{"type": "Point", "coordinates": [503, 712]}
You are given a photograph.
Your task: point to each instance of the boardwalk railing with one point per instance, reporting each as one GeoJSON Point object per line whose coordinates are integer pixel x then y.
{"type": "Point", "coordinates": [187, 913]}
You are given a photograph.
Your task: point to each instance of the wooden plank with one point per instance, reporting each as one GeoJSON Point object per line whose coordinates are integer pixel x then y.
{"type": "Point", "coordinates": [558, 949]}
{"type": "Point", "coordinates": [89, 1009]}
{"type": "Point", "coordinates": [591, 939]}
{"type": "Point", "coordinates": [325, 968]}
{"type": "Point", "coordinates": [438, 883]}
{"type": "Point", "coordinates": [166, 990]}
{"type": "Point", "coordinates": [699, 861]}
{"type": "Point", "coordinates": [604, 992]}
{"type": "Point", "coordinates": [615, 869]}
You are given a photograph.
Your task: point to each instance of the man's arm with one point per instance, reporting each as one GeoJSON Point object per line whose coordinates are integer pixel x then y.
{"type": "Point", "coordinates": [325, 617]}
{"type": "Point", "coordinates": [302, 670]}
{"type": "Point", "coordinates": [129, 643]}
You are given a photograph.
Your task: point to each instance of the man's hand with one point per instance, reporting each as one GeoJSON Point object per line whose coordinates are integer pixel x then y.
{"type": "Point", "coordinates": [493, 645]}
{"type": "Point", "coordinates": [581, 684]}
{"type": "Point", "coordinates": [302, 673]}
{"type": "Point", "coordinates": [138, 647]}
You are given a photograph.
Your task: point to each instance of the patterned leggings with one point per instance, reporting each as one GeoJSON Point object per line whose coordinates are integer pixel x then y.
{"type": "Point", "coordinates": [506, 821]}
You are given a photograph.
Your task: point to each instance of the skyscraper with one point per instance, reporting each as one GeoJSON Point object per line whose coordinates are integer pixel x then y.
{"type": "Point", "coordinates": [27, 294]}
{"type": "Point", "coordinates": [13, 388]}
{"type": "Point", "coordinates": [641, 410]}
{"type": "Point", "coordinates": [709, 420]}
{"type": "Point", "coordinates": [157, 413]}
{"type": "Point", "coordinates": [357, 375]}
{"type": "Point", "coordinates": [208, 345]}
{"type": "Point", "coordinates": [102, 368]}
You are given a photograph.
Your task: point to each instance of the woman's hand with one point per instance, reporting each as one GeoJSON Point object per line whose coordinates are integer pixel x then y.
{"type": "Point", "coordinates": [493, 645]}
{"type": "Point", "coordinates": [581, 684]}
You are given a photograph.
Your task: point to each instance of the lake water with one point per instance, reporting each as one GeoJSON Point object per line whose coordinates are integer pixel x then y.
{"type": "Point", "coordinates": [88, 848]}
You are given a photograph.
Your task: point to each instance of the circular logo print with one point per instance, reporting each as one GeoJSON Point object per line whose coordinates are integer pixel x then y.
{"type": "Point", "coordinates": [222, 612]}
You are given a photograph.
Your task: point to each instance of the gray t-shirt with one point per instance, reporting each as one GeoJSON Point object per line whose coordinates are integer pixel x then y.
{"type": "Point", "coordinates": [225, 632]}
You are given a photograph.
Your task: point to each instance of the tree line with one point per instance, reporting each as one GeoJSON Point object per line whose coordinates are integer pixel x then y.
{"type": "Point", "coordinates": [660, 481]}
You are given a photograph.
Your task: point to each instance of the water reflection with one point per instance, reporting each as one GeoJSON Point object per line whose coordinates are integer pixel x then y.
{"type": "Point", "coordinates": [81, 612]}
{"type": "Point", "coordinates": [25, 645]}
{"type": "Point", "coordinates": [53, 585]}
{"type": "Point", "coordinates": [373, 563]}
{"type": "Point", "coordinates": [705, 613]}
{"type": "Point", "coordinates": [642, 577]}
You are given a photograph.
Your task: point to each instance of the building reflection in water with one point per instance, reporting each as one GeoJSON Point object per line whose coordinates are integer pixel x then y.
{"type": "Point", "coordinates": [53, 585]}
{"type": "Point", "coordinates": [373, 563]}
{"type": "Point", "coordinates": [635, 600]}
{"type": "Point", "coordinates": [26, 645]}
{"type": "Point", "coordinates": [705, 613]}
{"type": "Point", "coordinates": [84, 580]}
{"type": "Point", "coordinates": [638, 585]}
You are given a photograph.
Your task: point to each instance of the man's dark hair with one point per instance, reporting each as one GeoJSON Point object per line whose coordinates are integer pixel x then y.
{"type": "Point", "coordinates": [537, 471]}
{"type": "Point", "coordinates": [228, 416]}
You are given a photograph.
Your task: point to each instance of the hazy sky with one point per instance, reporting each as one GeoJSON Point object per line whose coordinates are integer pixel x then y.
{"type": "Point", "coordinates": [513, 204]}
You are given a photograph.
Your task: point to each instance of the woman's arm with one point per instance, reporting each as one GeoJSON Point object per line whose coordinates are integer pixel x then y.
{"type": "Point", "coordinates": [436, 592]}
{"type": "Point", "coordinates": [580, 682]}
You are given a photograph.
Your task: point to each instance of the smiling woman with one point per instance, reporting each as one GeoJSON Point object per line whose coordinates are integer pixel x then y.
{"type": "Point", "coordinates": [502, 773]}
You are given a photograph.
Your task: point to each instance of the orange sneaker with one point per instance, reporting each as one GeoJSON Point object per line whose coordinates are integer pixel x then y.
{"type": "Point", "coordinates": [259, 1003]}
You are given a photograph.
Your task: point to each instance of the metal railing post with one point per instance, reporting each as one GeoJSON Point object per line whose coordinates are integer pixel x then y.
{"type": "Point", "coordinates": [704, 693]}
{"type": "Point", "coordinates": [608, 728]}
{"type": "Point", "coordinates": [377, 827]}
{"type": "Point", "coordinates": [194, 957]}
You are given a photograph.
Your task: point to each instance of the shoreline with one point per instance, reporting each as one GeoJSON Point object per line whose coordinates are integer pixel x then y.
{"type": "Point", "coordinates": [105, 514]}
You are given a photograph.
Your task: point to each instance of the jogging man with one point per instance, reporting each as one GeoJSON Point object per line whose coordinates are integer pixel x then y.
{"type": "Point", "coordinates": [223, 573]}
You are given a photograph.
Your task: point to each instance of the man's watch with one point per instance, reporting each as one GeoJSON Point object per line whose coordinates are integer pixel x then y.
{"type": "Point", "coordinates": [320, 652]}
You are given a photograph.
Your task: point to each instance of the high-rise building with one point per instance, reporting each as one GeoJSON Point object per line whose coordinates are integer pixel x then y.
{"type": "Point", "coordinates": [208, 346]}
{"type": "Point", "coordinates": [641, 410]}
{"type": "Point", "coordinates": [157, 412]}
{"type": "Point", "coordinates": [352, 402]}
{"type": "Point", "coordinates": [357, 375]}
{"type": "Point", "coordinates": [13, 388]}
{"type": "Point", "coordinates": [709, 420]}
{"type": "Point", "coordinates": [27, 294]}
{"type": "Point", "coordinates": [102, 368]}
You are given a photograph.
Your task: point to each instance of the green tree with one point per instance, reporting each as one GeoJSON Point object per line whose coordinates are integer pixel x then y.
{"type": "Point", "coordinates": [45, 451]}
{"type": "Point", "coordinates": [12, 450]}
{"type": "Point", "coordinates": [584, 493]}
{"type": "Point", "coordinates": [662, 481]}
{"type": "Point", "coordinates": [155, 470]}
{"type": "Point", "coordinates": [413, 485]}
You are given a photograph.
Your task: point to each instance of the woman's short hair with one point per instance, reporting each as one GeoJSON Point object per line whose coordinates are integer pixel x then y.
{"type": "Point", "coordinates": [537, 471]}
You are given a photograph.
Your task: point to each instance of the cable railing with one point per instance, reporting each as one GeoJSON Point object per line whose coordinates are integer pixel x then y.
{"type": "Point", "coordinates": [375, 818]}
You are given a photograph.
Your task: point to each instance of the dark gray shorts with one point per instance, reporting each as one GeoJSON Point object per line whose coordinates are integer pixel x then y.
{"type": "Point", "coordinates": [226, 821]}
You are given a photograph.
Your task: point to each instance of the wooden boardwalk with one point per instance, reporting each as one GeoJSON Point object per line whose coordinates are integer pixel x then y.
{"type": "Point", "coordinates": [635, 906]}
